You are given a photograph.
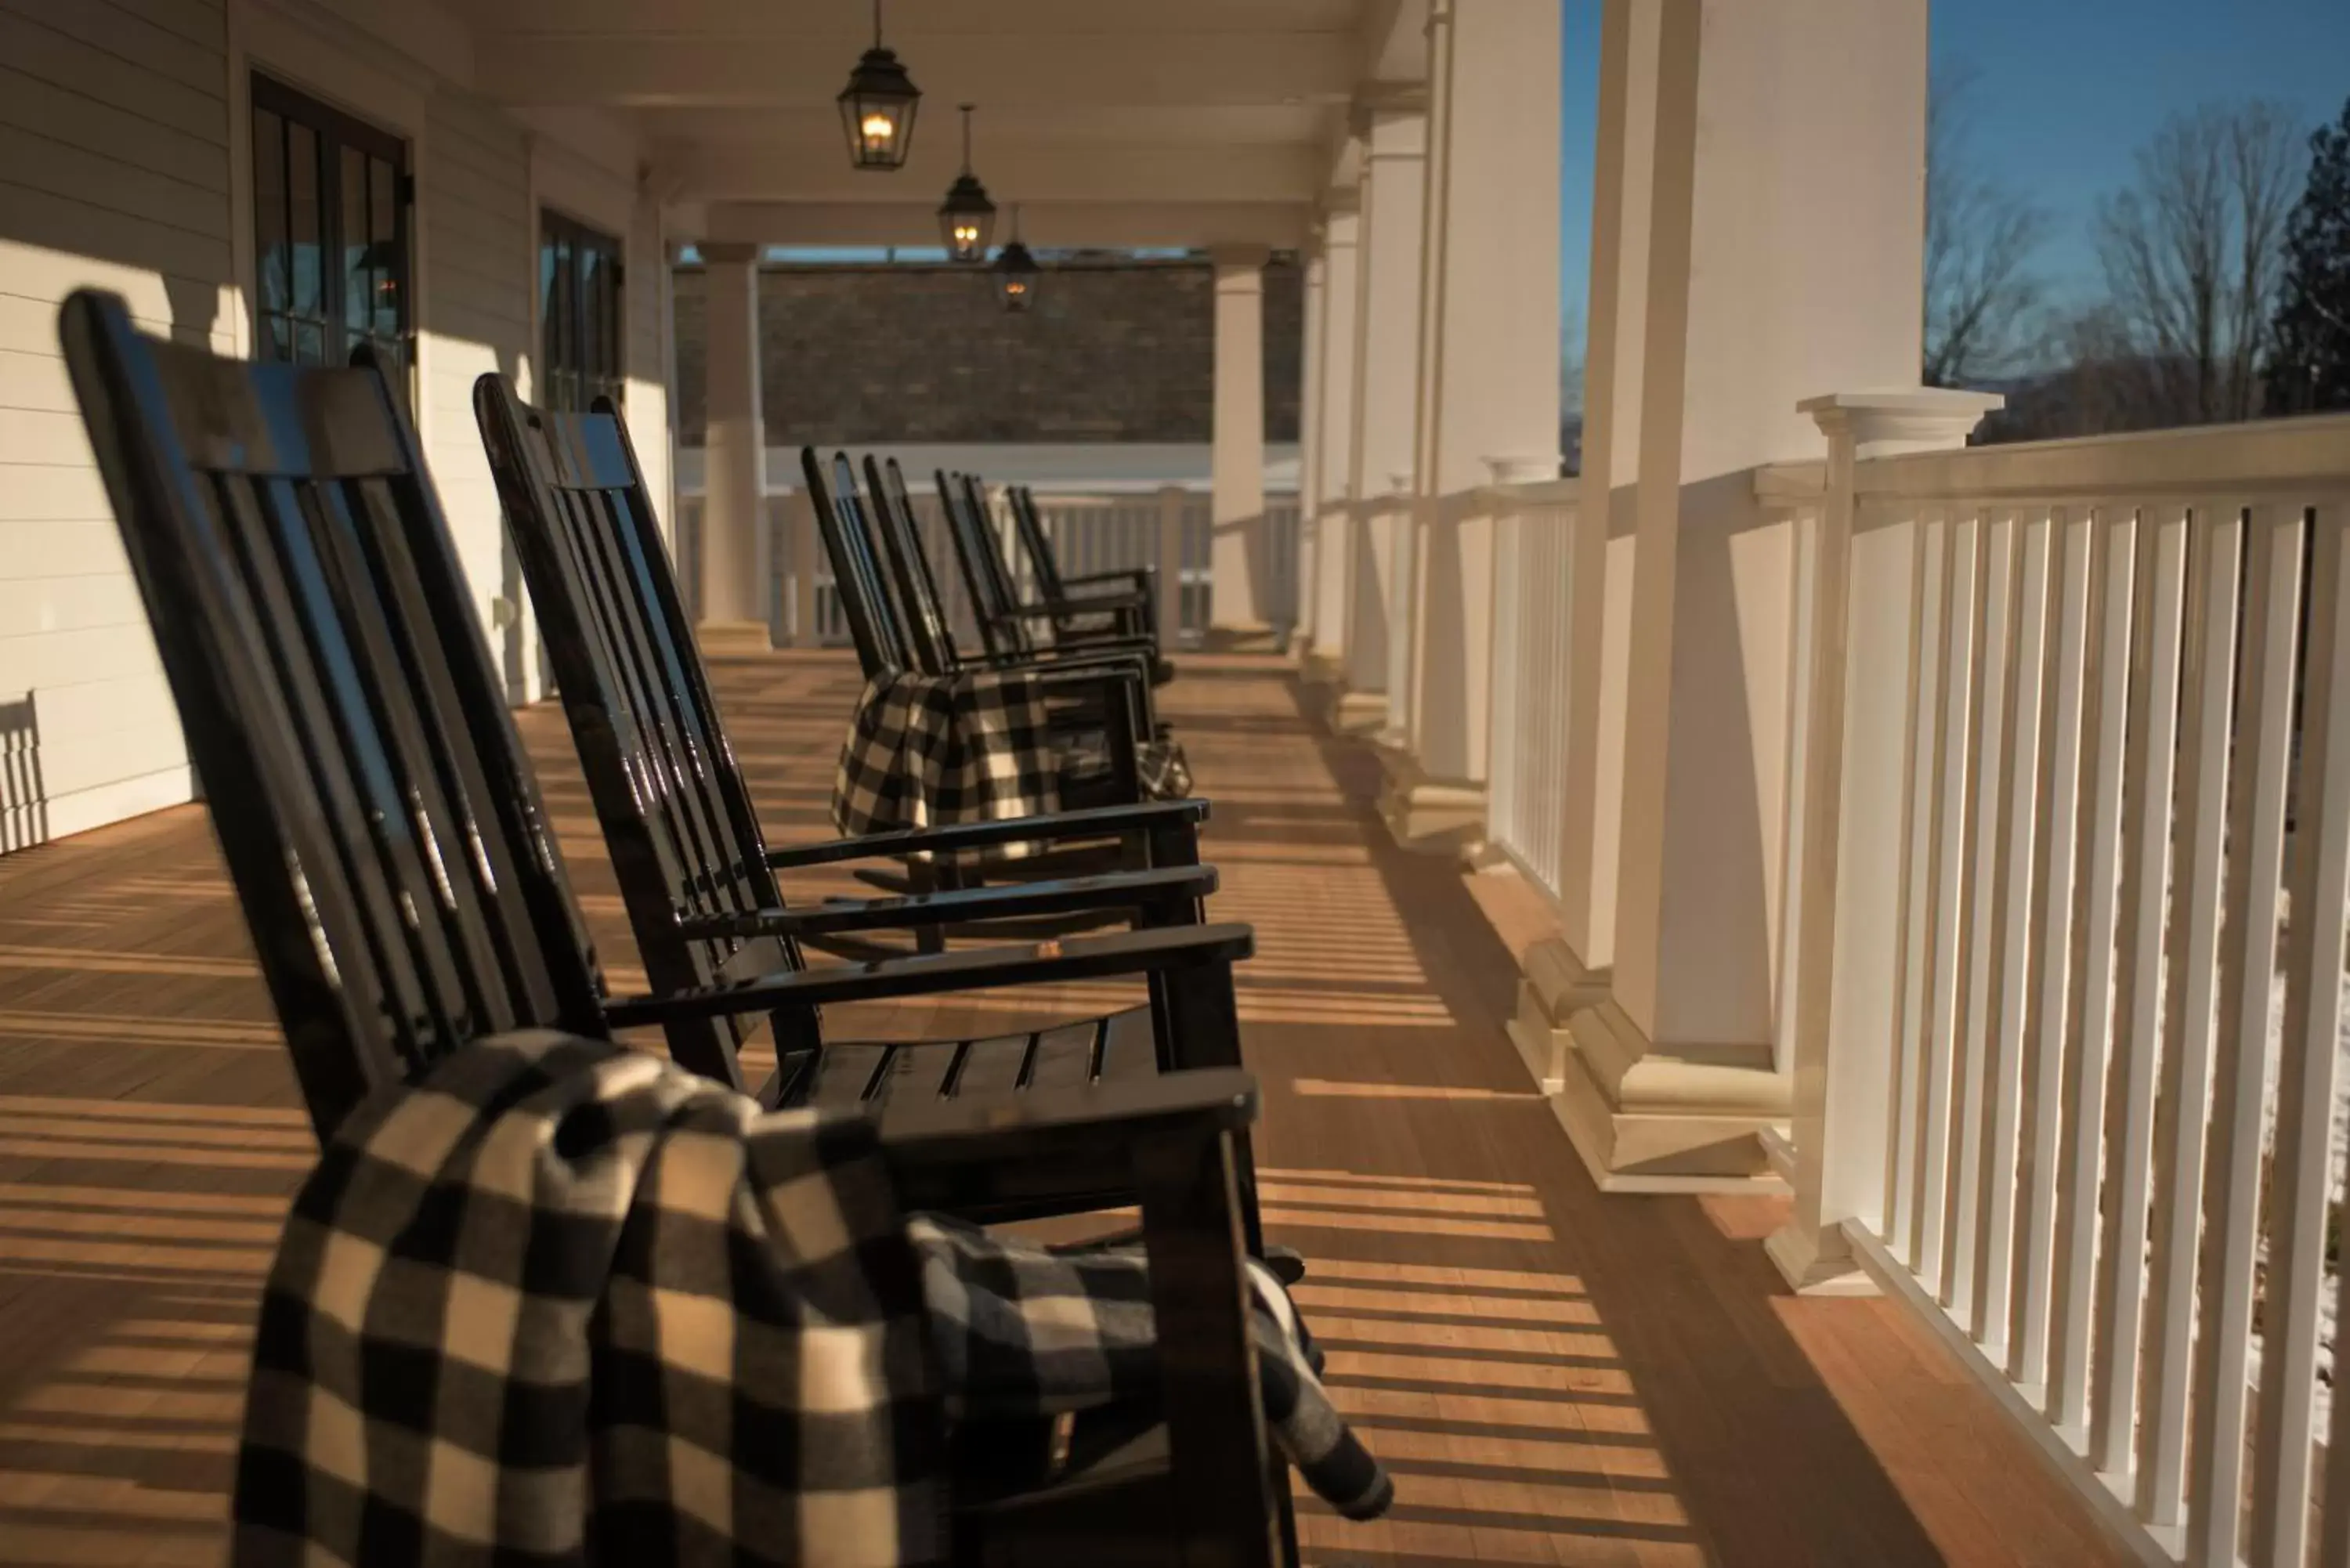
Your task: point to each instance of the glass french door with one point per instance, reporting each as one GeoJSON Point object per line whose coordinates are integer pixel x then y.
{"type": "Point", "coordinates": [332, 201]}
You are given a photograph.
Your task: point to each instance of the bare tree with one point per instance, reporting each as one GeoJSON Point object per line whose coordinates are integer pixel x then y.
{"type": "Point", "coordinates": [1981, 296]}
{"type": "Point", "coordinates": [2192, 253]}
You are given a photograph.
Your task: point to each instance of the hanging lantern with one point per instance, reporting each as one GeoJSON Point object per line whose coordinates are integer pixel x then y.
{"type": "Point", "coordinates": [1016, 271]}
{"type": "Point", "coordinates": [877, 107]}
{"type": "Point", "coordinates": [966, 218]}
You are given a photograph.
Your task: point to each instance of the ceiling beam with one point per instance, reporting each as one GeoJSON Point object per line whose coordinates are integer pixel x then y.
{"type": "Point", "coordinates": [817, 169]}
{"type": "Point", "coordinates": [911, 22]}
{"type": "Point", "coordinates": [1176, 69]}
{"type": "Point", "coordinates": [1054, 225]}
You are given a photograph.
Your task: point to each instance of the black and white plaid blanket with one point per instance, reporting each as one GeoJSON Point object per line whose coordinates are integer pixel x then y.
{"type": "Point", "coordinates": [566, 1302]}
{"type": "Point", "coordinates": [563, 1301]}
{"type": "Point", "coordinates": [1024, 1330]}
{"type": "Point", "coordinates": [934, 751]}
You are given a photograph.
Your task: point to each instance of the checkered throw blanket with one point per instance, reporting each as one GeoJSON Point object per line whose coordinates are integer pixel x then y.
{"type": "Point", "coordinates": [1024, 1330]}
{"type": "Point", "coordinates": [563, 1302]}
{"type": "Point", "coordinates": [934, 751]}
{"type": "Point", "coordinates": [566, 1302]}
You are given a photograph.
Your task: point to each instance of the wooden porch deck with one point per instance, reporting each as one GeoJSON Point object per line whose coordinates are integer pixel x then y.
{"type": "Point", "coordinates": [1554, 1377]}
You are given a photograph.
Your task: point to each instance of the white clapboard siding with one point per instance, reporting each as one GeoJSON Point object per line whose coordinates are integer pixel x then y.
{"type": "Point", "coordinates": [114, 173]}
{"type": "Point", "coordinates": [473, 206]}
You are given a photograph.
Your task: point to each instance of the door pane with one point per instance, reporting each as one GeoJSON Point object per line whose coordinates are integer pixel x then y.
{"type": "Point", "coordinates": [385, 305]}
{"type": "Point", "coordinates": [307, 219]}
{"type": "Point", "coordinates": [269, 210]}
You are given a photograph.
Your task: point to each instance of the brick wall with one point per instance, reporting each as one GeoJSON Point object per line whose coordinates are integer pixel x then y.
{"type": "Point", "coordinates": [1113, 350]}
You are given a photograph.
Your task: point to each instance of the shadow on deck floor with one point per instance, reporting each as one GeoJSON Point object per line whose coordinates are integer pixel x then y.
{"type": "Point", "coordinates": [1554, 1376]}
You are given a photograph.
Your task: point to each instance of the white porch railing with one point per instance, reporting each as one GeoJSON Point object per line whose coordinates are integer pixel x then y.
{"type": "Point", "coordinates": [1090, 533]}
{"type": "Point", "coordinates": [2067, 945]}
{"type": "Point", "coordinates": [1532, 595]}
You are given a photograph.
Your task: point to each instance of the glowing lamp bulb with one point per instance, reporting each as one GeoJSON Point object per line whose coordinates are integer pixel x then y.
{"type": "Point", "coordinates": [878, 127]}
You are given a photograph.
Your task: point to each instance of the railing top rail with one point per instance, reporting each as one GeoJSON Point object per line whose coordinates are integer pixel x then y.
{"type": "Point", "coordinates": [1784, 482]}
{"type": "Point", "coordinates": [2268, 454]}
{"type": "Point", "coordinates": [1532, 493]}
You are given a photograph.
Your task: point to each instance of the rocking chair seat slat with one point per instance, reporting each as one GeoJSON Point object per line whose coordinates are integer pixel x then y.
{"type": "Point", "coordinates": [991, 1068]}
{"type": "Point", "coordinates": [1128, 1050]}
{"type": "Point", "coordinates": [1063, 1057]}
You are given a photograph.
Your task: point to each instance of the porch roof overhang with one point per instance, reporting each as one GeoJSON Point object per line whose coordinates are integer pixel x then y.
{"type": "Point", "coordinates": [1111, 122]}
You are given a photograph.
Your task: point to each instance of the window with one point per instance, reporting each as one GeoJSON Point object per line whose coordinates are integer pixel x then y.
{"type": "Point", "coordinates": [330, 211]}
{"type": "Point", "coordinates": [580, 307]}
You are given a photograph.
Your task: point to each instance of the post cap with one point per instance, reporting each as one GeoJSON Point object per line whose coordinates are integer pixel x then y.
{"type": "Point", "coordinates": [1902, 419]}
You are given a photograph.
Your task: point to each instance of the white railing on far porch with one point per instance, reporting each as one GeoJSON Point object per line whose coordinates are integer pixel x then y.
{"type": "Point", "coordinates": [2069, 911]}
{"type": "Point", "coordinates": [1533, 589]}
{"type": "Point", "coordinates": [1090, 533]}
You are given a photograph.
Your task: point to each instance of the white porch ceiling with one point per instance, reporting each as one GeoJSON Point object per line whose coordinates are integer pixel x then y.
{"type": "Point", "coordinates": [1110, 121]}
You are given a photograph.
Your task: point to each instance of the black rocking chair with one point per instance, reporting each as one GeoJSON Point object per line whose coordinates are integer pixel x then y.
{"type": "Point", "coordinates": [406, 897]}
{"type": "Point", "coordinates": [1005, 619]}
{"type": "Point", "coordinates": [930, 638]}
{"type": "Point", "coordinates": [1127, 598]}
{"type": "Point", "coordinates": [693, 866]}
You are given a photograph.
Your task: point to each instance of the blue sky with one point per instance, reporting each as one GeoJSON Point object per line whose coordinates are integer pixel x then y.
{"type": "Point", "coordinates": [2063, 93]}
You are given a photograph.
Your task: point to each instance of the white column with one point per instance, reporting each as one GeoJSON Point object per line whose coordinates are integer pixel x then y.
{"type": "Point", "coordinates": [1776, 128]}
{"type": "Point", "coordinates": [1309, 442]}
{"type": "Point", "coordinates": [1615, 344]}
{"type": "Point", "coordinates": [1489, 377]}
{"type": "Point", "coordinates": [1237, 573]}
{"type": "Point", "coordinates": [734, 456]}
{"type": "Point", "coordinates": [1387, 377]}
{"type": "Point", "coordinates": [1333, 443]}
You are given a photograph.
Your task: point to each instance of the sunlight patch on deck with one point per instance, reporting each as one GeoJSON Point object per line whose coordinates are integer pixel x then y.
{"type": "Point", "coordinates": [1325, 1089]}
{"type": "Point", "coordinates": [104, 960]}
{"type": "Point", "coordinates": [1389, 1222]}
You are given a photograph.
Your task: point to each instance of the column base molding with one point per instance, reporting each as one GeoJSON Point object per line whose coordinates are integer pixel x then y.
{"type": "Point", "coordinates": [1317, 669]}
{"type": "Point", "coordinates": [1359, 715]}
{"type": "Point", "coordinates": [1552, 987]}
{"type": "Point", "coordinates": [1428, 815]}
{"type": "Point", "coordinates": [1251, 639]}
{"type": "Point", "coordinates": [734, 636]}
{"type": "Point", "coordinates": [1651, 1118]}
{"type": "Point", "coordinates": [1818, 1263]}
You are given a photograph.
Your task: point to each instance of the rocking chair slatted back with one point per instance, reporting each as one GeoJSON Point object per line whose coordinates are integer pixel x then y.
{"type": "Point", "coordinates": [1035, 545]}
{"type": "Point", "coordinates": [918, 588]}
{"type": "Point", "coordinates": [995, 601]}
{"type": "Point", "coordinates": [875, 622]}
{"type": "Point", "coordinates": [671, 800]}
{"type": "Point", "coordinates": [371, 797]}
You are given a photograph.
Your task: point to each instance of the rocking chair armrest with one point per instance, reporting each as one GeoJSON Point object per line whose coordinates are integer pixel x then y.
{"type": "Point", "coordinates": [1153, 889]}
{"type": "Point", "coordinates": [1100, 821]}
{"type": "Point", "coordinates": [1139, 576]}
{"type": "Point", "coordinates": [1104, 676]}
{"type": "Point", "coordinates": [1153, 951]}
{"type": "Point", "coordinates": [1049, 660]}
{"type": "Point", "coordinates": [1099, 603]}
{"type": "Point", "coordinates": [1062, 608]}
{"type": "Point", "coordinates": [1081, 1140]}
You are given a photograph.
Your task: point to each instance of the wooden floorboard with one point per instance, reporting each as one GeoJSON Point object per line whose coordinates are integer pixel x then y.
{"type": "Point", "coordinates": [1554, 1377]}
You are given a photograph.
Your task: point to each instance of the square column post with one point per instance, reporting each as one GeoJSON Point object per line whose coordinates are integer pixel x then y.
{"type": "Point", "coordinates": [735, 458]}
{"type": "Point", "coordinates": [1332, 452]}
{"type": "Point", "coordinates": [1565, 974]}
{"type": "Point", "coordinates": [1488, 388]}
{"type": "Point", "coordinates": [1773, 126]}
{"type": "Point", "coordinates": [1309, 442]}
{"type": "Point", "coordinates": [1394, 134]}
{"type": "Point", "coordinates": [1237, 566]}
